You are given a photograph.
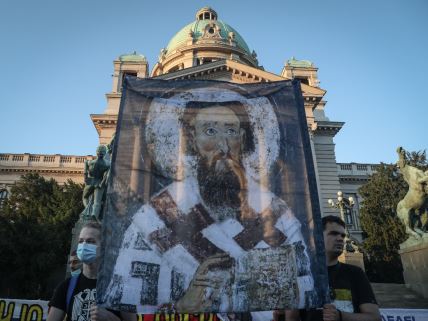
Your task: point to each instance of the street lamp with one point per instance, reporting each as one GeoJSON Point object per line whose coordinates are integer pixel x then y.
{"type": "Point", "coordinates": [345, 206]}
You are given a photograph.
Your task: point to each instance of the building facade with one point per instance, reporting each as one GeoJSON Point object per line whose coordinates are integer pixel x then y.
{"type": "Point", "coordinates": [209, 48]}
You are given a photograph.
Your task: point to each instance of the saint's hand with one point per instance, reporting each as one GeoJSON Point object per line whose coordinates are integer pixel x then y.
{"type": "Point", "coordinates": [203, 288]}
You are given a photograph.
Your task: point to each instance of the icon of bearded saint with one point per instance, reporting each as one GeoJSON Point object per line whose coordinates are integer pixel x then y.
{"type": "Point", "coordinates": [214, 241]}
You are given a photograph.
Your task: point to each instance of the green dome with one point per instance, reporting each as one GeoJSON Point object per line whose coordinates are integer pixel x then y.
{"type": "Point", "coordinates": [134, 56]}
{"type": "Point", "coordinates": [197, 27]}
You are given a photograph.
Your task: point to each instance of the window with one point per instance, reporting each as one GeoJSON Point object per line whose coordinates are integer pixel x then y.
{"type": "Point", "coordinates": [352, 214]}
{"type": "Point", "coordinates": [303, 80]}
{"type": "Point", "coordinates": [348, 217]}
{"type": "Point", "coordinates": [127, 73]}
{"type": "Point", "coordinates": [176, 68]}
{"type": "Point", "coordinates": [3, 195]}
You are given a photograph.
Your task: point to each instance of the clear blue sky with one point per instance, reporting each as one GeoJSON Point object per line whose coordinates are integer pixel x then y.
{"type": "Point", "coordinates": [56, 64]}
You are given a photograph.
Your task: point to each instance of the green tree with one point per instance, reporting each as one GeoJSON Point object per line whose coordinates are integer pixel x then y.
{"type": "Point", "coordinates": [383, 230]}
{"type": "Point", "coordinates": [35, 234]}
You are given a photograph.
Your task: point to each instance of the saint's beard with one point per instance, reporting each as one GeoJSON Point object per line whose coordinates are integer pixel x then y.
{"type": "Point", "coordinates": [222, 185]}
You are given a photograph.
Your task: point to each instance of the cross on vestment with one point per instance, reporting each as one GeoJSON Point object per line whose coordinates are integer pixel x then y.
{"type": "Point", "coordinates": [186, 229]}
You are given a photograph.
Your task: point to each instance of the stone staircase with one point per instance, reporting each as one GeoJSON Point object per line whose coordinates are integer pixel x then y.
{"type": "Point", "coordinates": [389, 295]}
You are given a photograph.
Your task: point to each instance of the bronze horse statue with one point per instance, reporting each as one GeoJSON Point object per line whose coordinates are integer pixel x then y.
{"type": "Point", "coordinates": [413, 208]}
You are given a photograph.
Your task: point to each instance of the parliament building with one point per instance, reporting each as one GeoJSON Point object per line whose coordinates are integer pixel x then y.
{"type": "Point", "coordinates": [209, 48]}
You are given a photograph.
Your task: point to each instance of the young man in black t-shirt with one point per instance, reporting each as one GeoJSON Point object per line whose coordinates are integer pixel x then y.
{"type": "Point", "coordinates": [351, 294]}
{"type": "Point", "coordinates": [82, 302]}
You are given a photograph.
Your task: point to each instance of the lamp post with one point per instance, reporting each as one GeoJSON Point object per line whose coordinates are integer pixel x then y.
{"type": "Point", "coordinates": [345, 206]}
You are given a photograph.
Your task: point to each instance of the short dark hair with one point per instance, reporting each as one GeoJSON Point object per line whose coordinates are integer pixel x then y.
{"type": "Point", "coordinates": [332, 219]}
{"type": "Point", "coordinates": [193, 107]}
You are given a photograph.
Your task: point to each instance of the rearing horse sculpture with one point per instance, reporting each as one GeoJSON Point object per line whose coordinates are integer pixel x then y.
{"type": "Point", "coordinates": [415, 203]}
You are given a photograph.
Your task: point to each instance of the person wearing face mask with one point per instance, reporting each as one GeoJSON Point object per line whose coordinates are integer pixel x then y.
{"type": "Point", "coordinates": [74, 264]}
{"type": "Point", "coordinates": [75, 298]}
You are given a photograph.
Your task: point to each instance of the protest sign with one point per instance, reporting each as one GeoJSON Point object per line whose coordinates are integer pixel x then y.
{"type": "Point", "coordinates": [23, 310]}
{"type": "Point", "coordinates": [212, 204]}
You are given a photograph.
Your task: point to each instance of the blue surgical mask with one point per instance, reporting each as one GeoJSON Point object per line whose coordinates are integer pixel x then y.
{"type": "Point", "coordinates": [87, 253]}
{"type": "Point", "coordinates": [76, 272]}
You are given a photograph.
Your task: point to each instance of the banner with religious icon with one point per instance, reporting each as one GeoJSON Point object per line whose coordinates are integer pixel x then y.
{"type": "Point", "coordinates": [212, 203]}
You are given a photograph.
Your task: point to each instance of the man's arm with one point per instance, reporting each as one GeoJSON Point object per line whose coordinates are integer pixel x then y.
{"type": "Point", "coordinates": [101, 314]}
{"type": "Point", "coordinates": [55, 314]}
{"type": "Point", "coordinates": [291, 315]}
{"type": "Point", "coordinates": [127, 316]}
{"type": "Point", "coordinates": [369, 312]}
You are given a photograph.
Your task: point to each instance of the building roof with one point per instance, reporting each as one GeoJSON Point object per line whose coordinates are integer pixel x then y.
{"type": "Point", "coordinates": [134, 56]}
{"type": "Point", "coordinates": [293, 62]}
{"type": "Point", "coordinates": [197, 28]}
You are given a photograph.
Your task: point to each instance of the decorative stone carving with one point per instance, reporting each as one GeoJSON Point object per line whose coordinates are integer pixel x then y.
{"type": "Point", "coordinates": [162, 54]}
{"type": "Point", "coordinates": [212, 30]}
{"type": "Point", "coordinates": [254, 56]}
{"type": "Point", "coordinates": [413, 208]}
{"type": "Point", "coordinates": [231, 37]}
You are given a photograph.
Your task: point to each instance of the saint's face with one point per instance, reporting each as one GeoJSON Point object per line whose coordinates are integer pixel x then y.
{"type": "Point", "coordinates": [218, 133]}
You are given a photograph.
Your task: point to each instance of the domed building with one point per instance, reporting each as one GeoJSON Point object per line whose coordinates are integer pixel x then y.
{"type": "Point", "coordinates": [209, 48]}
{"type": "Point", "coordinates": [205, 40]}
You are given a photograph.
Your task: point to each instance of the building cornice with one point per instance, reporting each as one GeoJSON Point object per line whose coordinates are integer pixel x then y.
{"type": "Point", "coordinates": [103, 120]}
{"type": "Point", "coordinates": [355, 172]}
{"type": "Point", "coordinates": [208, 46]}
{"type": "Point", "coordinates": [40, 170]}
{"type": "Point", "coordinates": [352, 179]}
{"type": "Point", "coordinates": [43, 163]}
{"type": "Point", "coordinates": [252, 74]}
{"type": "Point", "coordinates": [330, 128]}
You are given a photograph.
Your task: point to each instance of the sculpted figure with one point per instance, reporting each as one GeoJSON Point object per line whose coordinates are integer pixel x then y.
{"type": "Point", "coordinates": [162, 54]}
{"type": "Point", "coordinates": [411, 208]}
{"type": "Point", "coordinates": [96, 174]}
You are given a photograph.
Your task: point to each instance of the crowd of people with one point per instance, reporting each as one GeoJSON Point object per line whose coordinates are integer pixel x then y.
{"type": "Point", "coordinates": [351, 295]}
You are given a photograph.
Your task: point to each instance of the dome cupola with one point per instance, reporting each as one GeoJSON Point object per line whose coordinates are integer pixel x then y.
{"type": "Point", "coordinates": [206, 13]}
{"type": "Point", "coordinates": [205, 40]}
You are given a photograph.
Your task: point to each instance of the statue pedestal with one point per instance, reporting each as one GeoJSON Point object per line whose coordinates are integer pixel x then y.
{"type": "Point", "coordinates": [353, 258]}
{"type": "Point", "coordinates": [414, 257]}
